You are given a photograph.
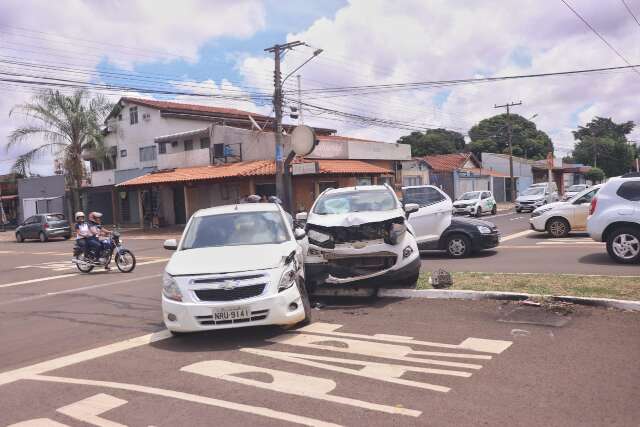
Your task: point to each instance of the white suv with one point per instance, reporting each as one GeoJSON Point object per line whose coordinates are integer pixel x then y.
{"type": "Point", "coordinates": [615, 218]}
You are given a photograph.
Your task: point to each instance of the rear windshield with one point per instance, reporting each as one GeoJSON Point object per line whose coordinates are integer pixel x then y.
{"type": "Point", "coordinates": [55, 217]}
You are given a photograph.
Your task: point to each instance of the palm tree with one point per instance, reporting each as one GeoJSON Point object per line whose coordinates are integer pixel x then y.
{"type": "Point", "coordinates": [64, 125]}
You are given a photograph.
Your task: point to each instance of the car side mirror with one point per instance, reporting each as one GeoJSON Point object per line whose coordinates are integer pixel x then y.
{"type": "Point", "coordinates": [299, 233]}
{"type": "Point", "coordinates": [170, 244]}
{"type": "Point", "coordinates": [410, 208]}
{"type": "Point", "coordinates": [301, 216]}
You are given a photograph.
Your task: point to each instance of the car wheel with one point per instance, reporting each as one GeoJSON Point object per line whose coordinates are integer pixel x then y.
{"type": "Point", "coordinates": [66, 237]}
{"type": "Point", "coordinates": [518, 210]}
{"type": "Point", "coordinates": [623, 245]}
{"type": "Point", "coordinates": [558, 227]}
{"type": "Point", "coordinates": [42, 237]}
{"type": "Point", "coordinates": [478, 211]}
{"type": "Point", "coordinates": [19, 238]}
{"type": "Point", "coordinates": [494, 210]}
{"type": "Point", "coordinates": [458, 246]}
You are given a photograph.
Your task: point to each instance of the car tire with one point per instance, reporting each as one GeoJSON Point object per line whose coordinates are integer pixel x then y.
{"type": "Point", "coordinates": [623, 245]}
{"type": "Point", "coordinates": [19, 237]}
{"type": "Point", "coordinates": [558, 227]}
{"type": "Point", "coordinates": [178, 334]}
{"type": "Point", "coordinates": [66, 237]}
{"type": "Point", "coordinates": [458, 246]}
{"type": "Point", "coordinates": [478, 212]}
{"type": "Point", "coordinates": [42, 237]}
{"type": "Point", "coordinates": [494, 210]}
{"type": "Point", "coordinates": [518, 210]}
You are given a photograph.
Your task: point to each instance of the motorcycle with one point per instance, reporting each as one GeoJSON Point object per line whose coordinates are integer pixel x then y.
{"type": "Point", "coordinates": [124, 258]}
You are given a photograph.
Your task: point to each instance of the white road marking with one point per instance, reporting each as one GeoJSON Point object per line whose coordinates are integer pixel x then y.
{"type": "Point", "coordinates": [255, 410]}
{"type": "Point", "coordinates": [84, 288]}
{"type": "Point", "coordinates": [516, 218]}
{"type": "Point", "coordinates": [387, 372]}
{"type": "Point", "coordinates": [63, 276]}
{"type": "Point", "coordinates": [568, 242]}
{"type": "Point", "coordinates": [83, 356]}
{"type": "Point", "coordinates": [39, 422]}
{"type": "Point", "coordinates": [289, 383]}
{"type": "Point", "coordinates": [516, 235]}
{"type": "Point", "coordinates": [89, 409]}
{"type": "Point", "coordinates": [472, 344]}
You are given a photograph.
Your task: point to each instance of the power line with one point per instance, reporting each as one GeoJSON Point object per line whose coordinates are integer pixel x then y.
{"type": "Point", "coordinates": [600, 36]}
{"type": "Point", "coordinates": [635, 18]}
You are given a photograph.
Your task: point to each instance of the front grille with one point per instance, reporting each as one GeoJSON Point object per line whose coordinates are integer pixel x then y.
{"type": "Point", "coordinates": [240, 292]}
{"type": "Point", "coordinates": [225, 278]}
{"type": "Point", "coordinates": [255, 316]}
{"type": "Point", "coordinates": [361, 266]}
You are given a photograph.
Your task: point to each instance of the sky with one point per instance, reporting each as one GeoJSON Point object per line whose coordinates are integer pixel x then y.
{"type": "Point", "coordinates": [216, 47]}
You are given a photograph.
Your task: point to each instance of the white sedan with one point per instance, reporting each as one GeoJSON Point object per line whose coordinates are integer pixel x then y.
{"type": "Point", "coordinates": [559, 218]}
{"type": "Point", "coordinates": [236, 265]}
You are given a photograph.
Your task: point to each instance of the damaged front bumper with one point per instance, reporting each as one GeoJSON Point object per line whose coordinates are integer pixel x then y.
{"type": "Point", "coordinates": [363, 263]}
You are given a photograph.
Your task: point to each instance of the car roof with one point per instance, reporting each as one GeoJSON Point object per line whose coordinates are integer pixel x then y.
{"type": "Point", "coordinates": [419, 186]}
{"type": "Point", "coordinates": [239, 207]}
{"type": "Point", "coordinates": [357, 188]}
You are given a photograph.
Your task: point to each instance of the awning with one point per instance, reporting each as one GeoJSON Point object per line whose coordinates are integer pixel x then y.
{"type": "Point", "coordinates": [250, 169]}
{"type": "Point", "coordinates": [204, 132]}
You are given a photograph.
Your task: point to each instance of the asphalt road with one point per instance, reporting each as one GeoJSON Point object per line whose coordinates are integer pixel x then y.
{"type": "Point", "coordinates": [69, 349]}
{"type": "Point", "coordinates": [524, 251]}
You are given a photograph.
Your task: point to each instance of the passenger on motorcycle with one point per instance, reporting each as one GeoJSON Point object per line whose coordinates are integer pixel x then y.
{"type": "Point", "coordinates": [82, 232]}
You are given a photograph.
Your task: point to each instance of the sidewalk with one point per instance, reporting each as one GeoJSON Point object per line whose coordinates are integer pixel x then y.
{"type": "Point", "coordinates": [505, 206]}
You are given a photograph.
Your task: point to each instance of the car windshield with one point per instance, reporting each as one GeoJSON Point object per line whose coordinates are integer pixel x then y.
{"type": "Point", "coordinates": [235, 229]}
{"type": "Point", "coordinates": [576, 188]}
{"type": "Point", "coordinates": [55, 217]}
{"type": "Point", "coordinates": [533, 191]}
{"type": "Point", "coordinates": [470, 195]}
{"type": "Point", "coordinates": [355, 201]}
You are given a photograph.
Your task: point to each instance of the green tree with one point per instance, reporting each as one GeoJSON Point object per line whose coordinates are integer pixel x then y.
{"type": "Point", "coordinates": [491, 135]}
{"type": "Point", "coordinates": [62, 125]}
{"type": "Point", "coordinates": [595, 175]}
{"type": "Point", "coordinates": [434, 141]}
{"type": "Point", "coordinates": [603, 143]}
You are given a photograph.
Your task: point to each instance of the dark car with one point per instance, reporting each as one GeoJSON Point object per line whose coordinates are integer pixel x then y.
{"type": "Point", "coordinates": [465, 236]}
{"type": "Point", "coordinates": [43, 227]}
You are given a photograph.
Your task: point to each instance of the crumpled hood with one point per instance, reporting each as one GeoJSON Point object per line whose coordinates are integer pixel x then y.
{"type": "Point", "coordinates": [353, 218]}
{"type": "Point", "coordinates": [532, 198]}
{"type": "Point", "coordinates": [228, 259]}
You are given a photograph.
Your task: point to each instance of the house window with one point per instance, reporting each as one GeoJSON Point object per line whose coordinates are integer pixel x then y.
{"type": "Point", "coordinates": [148, 154]}
{"type": "Point", "coordinates": [162, 148]}
{"type": "Point", "coordinates": [123, 153]}
{"type": "Point", "coordinates": [133, 115]}
{"type": "Point", "coordinates": [409, 181]}
{"type": "Point", "coordinates": [363, 180]}
{"type": "Point", "coordinates": [218, 150]}
{"type": "Point", "coordinates": [205, 142]}
{"type": "Point", "coordinates": [174, 144]}
{"type": "Point", "coordinates": [188, 145]}
{"type": "Point", "coordinates": [323, 185]}
{"type": "Point", "coordinates": [266, 189]}
{"type": "Point", "coordinates": [385, 180]}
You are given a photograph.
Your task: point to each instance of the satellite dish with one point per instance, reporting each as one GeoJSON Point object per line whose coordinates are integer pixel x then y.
{"type": "Point", "coordinates": [303, 140]}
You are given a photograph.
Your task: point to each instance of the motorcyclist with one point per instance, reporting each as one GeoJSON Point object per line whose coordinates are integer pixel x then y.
{"type": "Point", "coordinates": [93, 242]}
{"type": "Point", "coordinates": [102, 235]}
{"type": "Point", "coordinates": [82, 232]}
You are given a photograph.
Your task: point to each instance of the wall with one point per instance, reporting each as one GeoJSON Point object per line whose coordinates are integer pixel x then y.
{"type": "Point", "coordinates": [42, 188]}
{"type": "Point", "coordinates": [521, 168]}
{"type": "Point", "coordinates": [100, 178]}
{"type": "Point", "coordinates": [182, 159]}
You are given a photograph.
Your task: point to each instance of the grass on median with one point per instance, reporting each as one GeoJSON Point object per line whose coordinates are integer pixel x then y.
{"type": "Point", "coordinates": [627, 288]}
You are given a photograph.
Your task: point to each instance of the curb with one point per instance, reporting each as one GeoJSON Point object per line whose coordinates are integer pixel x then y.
{"type": "Point", "coordinates": [509, 296]}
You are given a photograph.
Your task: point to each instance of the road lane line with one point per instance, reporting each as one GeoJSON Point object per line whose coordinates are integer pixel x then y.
{"type": "Point", "coordinates": [194, 398]}
{"type": "Point", "coordinates": [516, 235]}
{"type": "Point", "coordinates": [84, 288]}
{"type": "Point", "coordinates": [89, 410]}
{"type": "Point", "coordinates": [83, 356]}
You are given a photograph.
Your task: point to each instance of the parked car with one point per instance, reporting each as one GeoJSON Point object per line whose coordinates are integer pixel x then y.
{"type": "Point", "coordinates": [360, 237]}
{"type": "Point", "coordinates": [475, 203]}
{"type": "Point", "coordinates": [560, 218]}
{"type": "Point", "coordinates": [43, 227]}
{"type": "Point", "coordinates": [615, 218]}
{"type": "Point", "coordinates": [536, 196]}
{"type": "Point", "coordinates": [573, 190]}
{"type": "Point", "coordinates": [237, 265]}
{"type": "Point", "coordinates": [464, 237]}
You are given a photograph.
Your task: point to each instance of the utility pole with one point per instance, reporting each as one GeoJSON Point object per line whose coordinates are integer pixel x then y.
{"type": "Point", "coordinates": [510, 136]}
{"type": "Point", "coordinates": [300, 120]}
{"type": "Point", "coordinates": [277, 51]}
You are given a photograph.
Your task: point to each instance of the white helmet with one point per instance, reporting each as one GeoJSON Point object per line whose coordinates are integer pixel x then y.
{"type": "Point", "coordinates": [79, 214]}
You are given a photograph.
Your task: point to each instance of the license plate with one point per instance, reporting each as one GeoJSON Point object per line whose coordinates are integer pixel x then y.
{"type": "Point", "coordinates": [234, 313]}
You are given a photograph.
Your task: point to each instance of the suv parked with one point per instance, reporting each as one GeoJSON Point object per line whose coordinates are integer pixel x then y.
{"type": "Point", "coordinates": [537, 195]}
{"type": "Point", "coordinates": [559, 218]}
{"type": "Point", "coordinates": [360, 237]}
{"type": "Point", "coordinates": [615, 218]}
{"type": "Point", "coordinates": [43, 227]}
{"type": "Point", "coordinates": [475, 203]}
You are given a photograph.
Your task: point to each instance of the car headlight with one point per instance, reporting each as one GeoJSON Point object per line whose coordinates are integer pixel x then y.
{"type": "Point", "coordinates": [170, 288]}
{"type": "Point", "coordinates": [539, 212]}
{"type": "Point", "coordinates": [396, 231]}
{"type": "Point", "coordinates": [484, 229]}
{"type": "Point", "coordinates": [289, 277]}
{"type": "Point", "coordinates": [318, 236]}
